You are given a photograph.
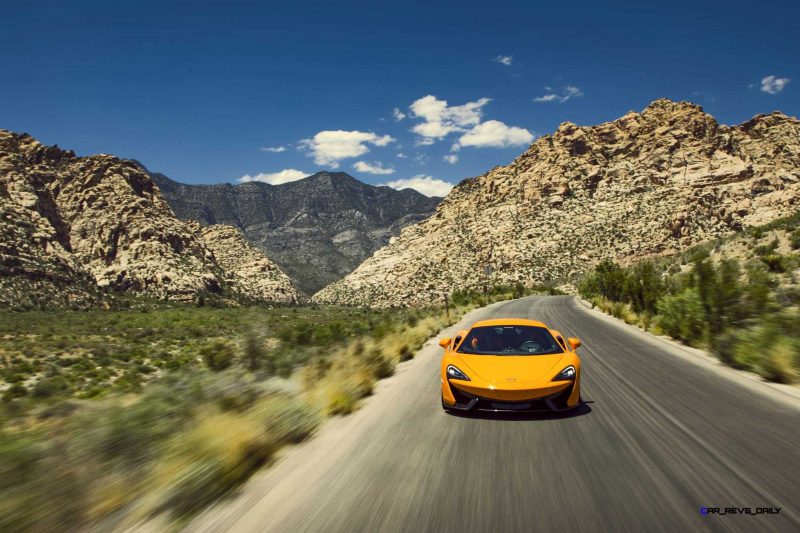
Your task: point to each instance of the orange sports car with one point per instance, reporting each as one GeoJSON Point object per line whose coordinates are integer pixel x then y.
{"type": "Point", "coordinates": [510, 364]}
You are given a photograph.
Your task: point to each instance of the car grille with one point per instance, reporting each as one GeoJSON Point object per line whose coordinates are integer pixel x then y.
{"type": "Point", "coordinates": [470, 401]}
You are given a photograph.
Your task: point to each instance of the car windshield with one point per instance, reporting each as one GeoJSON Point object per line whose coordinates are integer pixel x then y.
{"type": "Point", "coordinates": [509, 340]}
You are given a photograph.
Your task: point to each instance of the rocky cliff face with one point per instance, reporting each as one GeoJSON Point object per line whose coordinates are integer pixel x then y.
{"type": "Point", "coordinates": [245, 269]}
{"type": "Point", "coordinates": [317, 229]}
{"type": "Point", "coordinates": [648, 183]}
{"type": "Point", "coordinates": [94, 224]}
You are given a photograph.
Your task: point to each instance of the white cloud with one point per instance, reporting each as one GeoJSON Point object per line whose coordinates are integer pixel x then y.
{"type": "Point", "coordinates": [504, 60]}
{"type": "Point", "coordinates": [401, 155]}
{"type": "Point", "coordinates": [439, 119]}
{"type": "Point", "coordinates": [398, 115]}
{"type": "Point", "coordinates": [494, 133]}
{"type": "Point", "coordinates": [569, 92]}
{"type": "Point", "coordinates": [427, 185]}
{"type": "Point", "coordinates": [276, 178]}
{"type": "Point", "coordinates": [546, 98]}
{"type": "Point", "coordinates": [329, 147]}
{"type": "Point", "coordinates": [274, 149]}
{"type": "Point", "coordinates": [372, 168]}
{"type": "Point", "coordinates": [452, 159]}
{"type": "Point", "coordinates": [773, 85]}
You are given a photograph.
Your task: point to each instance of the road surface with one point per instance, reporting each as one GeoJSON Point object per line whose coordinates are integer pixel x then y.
{"type": "Point", "coordinates": [660, 436]}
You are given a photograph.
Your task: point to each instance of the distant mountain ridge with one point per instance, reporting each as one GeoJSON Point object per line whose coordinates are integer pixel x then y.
{"type": "Point", "coordinates": [76, 230]}
{"type": "Point", "coordinates": [317, 229]}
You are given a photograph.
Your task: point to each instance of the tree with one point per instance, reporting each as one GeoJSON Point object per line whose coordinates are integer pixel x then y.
{"type": "Point", "coordinates": [643, 286]}
{"type": "Point", "coordinates": [610, 280]}
{"type": "Point", "coordinates": [721, 295]}
{"type": "Point", "coordinates": [682, 316]}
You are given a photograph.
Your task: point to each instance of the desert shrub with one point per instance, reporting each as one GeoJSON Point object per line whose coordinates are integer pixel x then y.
{"type": "Point", "coordinates": [129, 381]}
{"type": "Point", "coordinates": [232, 390]}
{"type": "Point", "coordinates": [642, 286]}
{"type": "Point", "coordinates": [721, 293]}
{"type": "Point", "coordinates": [254, 356]}
{"type": "Point", "coordinates": [757, 291]}
{"type": "Point", "coordinates": [379, 365]}
{"type": "Point", "coordinates": [358, 347]}
{"type": "Point", "coordinates": [766, 249]}
{"type": "Point", "coordinates": [681, 316]}
{"type": "Point", "coordinates": [50, 386]}
{"type": "Point", "coordinates": [749, 346]}
{"type": "Point", "coordinates": [344, 392]}
{"type": "Point", "coordinates": [610, 280]}
{"type": "Point", "coordinates": [794, 239]}
{"type": "Point", "coordinates": [645, 321]}
{"type": "Point", "coordinates": [607, 280]}
{"type": "Point", "coordinates": [304, 333]}
{"type": "Point", "coordinates": [404, 353]}
{"type": "Point", "coordinates": [218, 354]}
{"type": "Point", "coordinates": [129, 435]}
{"type": "Point", "coordinates": [213, 457]}
{"type": "Point", "coordinates": [288, 419]}
{"type": "Point", "coordinates": [774, 262]}
{"type": "Point", "coordinates": [16, 390]}
{"type": "Point", "coordinates": [332, 332]}
{"type": "Point", "coordinates": [42, 490]}
{"type": "Point", "coordinates": [781, 362]}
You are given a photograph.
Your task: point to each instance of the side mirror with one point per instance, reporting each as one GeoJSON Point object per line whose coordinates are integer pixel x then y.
{"type": "Point", "coordinates": [445, 342]}
{"type": "Point", "coordinates": [574, 342]}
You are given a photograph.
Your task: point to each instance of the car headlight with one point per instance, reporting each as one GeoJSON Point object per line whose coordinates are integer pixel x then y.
{"type": "Point", "coordinates": [455, 373]}
{"type": "Point", "coordinates": [568, 374]}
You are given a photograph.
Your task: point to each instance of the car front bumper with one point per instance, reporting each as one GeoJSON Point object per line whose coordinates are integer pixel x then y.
{"type": "Point", "coordinates": [560, 397]}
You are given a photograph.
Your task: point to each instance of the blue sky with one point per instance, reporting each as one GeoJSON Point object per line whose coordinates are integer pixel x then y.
{"type": "Point", "coordinates": [196, 90]}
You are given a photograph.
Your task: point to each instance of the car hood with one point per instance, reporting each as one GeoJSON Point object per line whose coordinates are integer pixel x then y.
{"type": "Point", "coordinates": [520, 368]}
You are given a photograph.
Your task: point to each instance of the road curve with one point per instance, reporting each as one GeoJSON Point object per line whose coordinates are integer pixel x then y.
{"type": "Point", "coordinates": [659, 438]}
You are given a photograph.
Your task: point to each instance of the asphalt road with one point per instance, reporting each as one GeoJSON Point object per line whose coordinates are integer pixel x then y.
{"type": "Point", "coordinates": [659, 437]}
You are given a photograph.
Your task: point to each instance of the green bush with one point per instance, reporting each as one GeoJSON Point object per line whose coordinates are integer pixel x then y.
{"type": "Point", "coordinates": [50, 386]}
{"type": "Point", "coordinates": [607, 281]}
{"type": "Point", "coordinates": [289, 419]}
{"type": "Point", "coordinates": [404, 353]}
{"type": "Point", "coordinates": [774, 262]}
{"type": "Point", "coordinates": [681, 316]}
{"type": "Point", "coordinates": [218, 354]}
{"type": "Point", "coordinates": [794, 239]}
{"type": "Point", "coordinates": [17, 390]}
{"type": "Point", "coordinates": [254, 355]}
{"type": "Point", "coordinates": [766, 249]}
{"type": "Point", "coordinates": [781, 362]}
{"type": "Point", "coordinates": [379, 365]}
{"type": "Point", "coordinates": [642, 286]}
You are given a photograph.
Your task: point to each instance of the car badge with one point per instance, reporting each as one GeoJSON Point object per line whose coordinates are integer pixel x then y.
{"type": "Point", "coordinates": [511, 379]}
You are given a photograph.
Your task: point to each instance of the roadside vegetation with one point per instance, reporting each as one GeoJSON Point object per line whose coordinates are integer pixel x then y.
{"type": "Point", "coordinates": [737, 297]}
{"type": "Point", "coordinates": [112, 417]}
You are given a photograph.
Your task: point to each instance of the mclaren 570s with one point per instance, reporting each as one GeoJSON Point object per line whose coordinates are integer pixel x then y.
{"type": "Point", "coordinates": [510, 365]}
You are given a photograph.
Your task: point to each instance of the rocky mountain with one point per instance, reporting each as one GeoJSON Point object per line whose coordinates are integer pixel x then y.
{"type": "Point", "coordinates": [645, 184]}
{"type": "Point", "coordinates": [76, 228]}
{"type": "Point", "coordinates": [317, 229]}
{"type": "Point", "coordinates": [244, 266]}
